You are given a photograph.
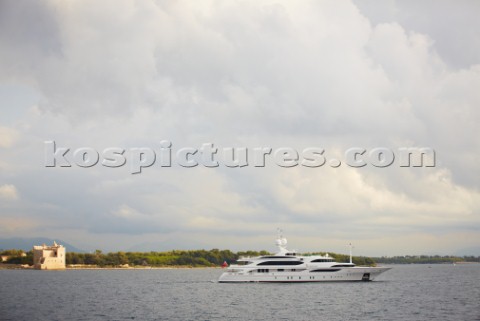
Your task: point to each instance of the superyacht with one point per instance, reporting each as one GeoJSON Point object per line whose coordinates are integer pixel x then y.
{"type": "Point", "coordinates": [288, 266]}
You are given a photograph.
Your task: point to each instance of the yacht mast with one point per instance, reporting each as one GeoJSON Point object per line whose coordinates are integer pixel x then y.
{"type": "Point", "coordinates": [350, 245]}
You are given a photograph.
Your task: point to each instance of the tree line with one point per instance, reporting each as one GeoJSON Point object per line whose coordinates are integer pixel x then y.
{"type": "Point", "coordinates": [426, 259]}
{"type": "Point", "coordinates": [196, 258]}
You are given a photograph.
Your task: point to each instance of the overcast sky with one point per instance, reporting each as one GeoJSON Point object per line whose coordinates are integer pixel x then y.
{"type": "Point", "coordinates": [326, 74]}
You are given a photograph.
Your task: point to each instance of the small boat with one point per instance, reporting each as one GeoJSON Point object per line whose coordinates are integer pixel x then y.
{"type": "Point", "coordinates": [288, 266]}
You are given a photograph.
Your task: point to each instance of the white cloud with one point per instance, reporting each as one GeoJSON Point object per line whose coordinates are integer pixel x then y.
{"type": "Point", "coordinates": [8, 192]}
{"type": "Point", "coordinates": [9, 225]}
{"type": "Point", "coordinates": [274, 73]}
{"type": "Point", "coordinates": [8, 136]}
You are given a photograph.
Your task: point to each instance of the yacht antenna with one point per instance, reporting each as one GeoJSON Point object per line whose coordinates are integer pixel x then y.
{"type": "Point", "coordinates": [279, 233]}
{"type": "Point", "coordinates": [350, 245]}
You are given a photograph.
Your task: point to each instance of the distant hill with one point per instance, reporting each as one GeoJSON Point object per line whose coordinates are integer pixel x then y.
{"type": "Point", "coordinates": [26, 244]}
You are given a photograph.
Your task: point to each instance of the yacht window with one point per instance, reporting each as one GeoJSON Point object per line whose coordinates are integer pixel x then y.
{"type": "Point", "coordinates": [280, 263]}
{"type": "Point", "coordinates": [325, 270]}
{"type": "Point", "coordinates": [322, 260]}
{"type": "Point", "coordinates": [273, 257]}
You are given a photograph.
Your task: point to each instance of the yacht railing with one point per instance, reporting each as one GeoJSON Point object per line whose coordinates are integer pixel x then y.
{"type": "Point", "coordinates": [246, 257]}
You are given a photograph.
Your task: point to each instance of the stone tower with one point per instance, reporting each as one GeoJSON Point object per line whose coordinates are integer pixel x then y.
{"type": "Point", "coordinates": [49, 257]}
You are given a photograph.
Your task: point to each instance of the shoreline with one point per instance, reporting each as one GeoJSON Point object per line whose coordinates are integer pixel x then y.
{"type": "Point", "coordinates": [23, 267]}
{"type": "Point", "coordinates": [144, 268]}
{"type": "Point", "coordinates": [177, 267]}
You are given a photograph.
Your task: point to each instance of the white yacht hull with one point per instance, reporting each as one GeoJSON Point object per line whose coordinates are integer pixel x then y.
{"type": "Point", "coordinates": [344, 274]}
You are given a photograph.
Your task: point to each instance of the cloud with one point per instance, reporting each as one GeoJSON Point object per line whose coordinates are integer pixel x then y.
{"type": "Point", "coordinates": [273, 73]}
{"type": "Point", "coordinates": [8, 137]}
{"type": "Point", "coordinates": [8, 192]}
{"type": "Point", "coordinates": [434, 18]}
{"type": "Point", "coordinates": [12, 225]}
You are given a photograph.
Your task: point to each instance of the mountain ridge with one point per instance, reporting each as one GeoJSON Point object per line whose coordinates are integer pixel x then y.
{"type": "Point", "coordinates": [26, 244]}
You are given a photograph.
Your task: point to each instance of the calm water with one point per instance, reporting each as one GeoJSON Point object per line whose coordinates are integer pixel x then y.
{"type": "Point", "coordinates": [407, 292]}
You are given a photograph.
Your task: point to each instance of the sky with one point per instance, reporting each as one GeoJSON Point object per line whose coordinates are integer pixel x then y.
{"type": "Point", "coordinates": [330, 75]}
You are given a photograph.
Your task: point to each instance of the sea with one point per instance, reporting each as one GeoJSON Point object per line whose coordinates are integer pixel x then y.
{"type": "Point", "coordinates": [407, 292]}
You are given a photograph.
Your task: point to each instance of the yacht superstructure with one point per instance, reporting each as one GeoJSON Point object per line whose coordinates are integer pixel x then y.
{"type": "Point", "coordinates": [287, 266]}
